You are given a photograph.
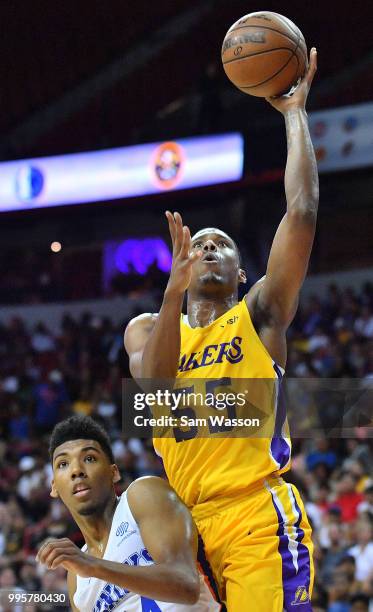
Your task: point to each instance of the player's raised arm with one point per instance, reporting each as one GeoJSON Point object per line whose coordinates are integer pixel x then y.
{"type": "Point", "coordinates": [291, 248]}
{"type": "Point", "coordinates": [153, 346]}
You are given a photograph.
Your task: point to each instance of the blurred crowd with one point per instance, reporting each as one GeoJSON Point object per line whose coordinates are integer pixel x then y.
{"type": "Point", "coordinates": [34, 276]}
{"type": "Point", "coordinates": [48, 374]}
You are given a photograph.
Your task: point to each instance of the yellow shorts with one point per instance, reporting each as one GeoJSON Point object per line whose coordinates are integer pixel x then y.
{"type": "Point", "coordinates": [258, 549]}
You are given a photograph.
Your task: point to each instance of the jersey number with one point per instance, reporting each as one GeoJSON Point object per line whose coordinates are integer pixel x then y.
{"type": "Point", "coordinates": [181, 434]}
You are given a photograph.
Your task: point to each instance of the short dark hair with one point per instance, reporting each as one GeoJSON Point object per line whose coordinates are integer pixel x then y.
{"type": "Point", "coordinates": [80, 428]}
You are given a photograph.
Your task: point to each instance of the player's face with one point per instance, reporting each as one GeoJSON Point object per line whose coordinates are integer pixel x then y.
{"type": "Point", "coordinates": [83, 476]}
{"type": "Point", "coordinates": [219, 264]}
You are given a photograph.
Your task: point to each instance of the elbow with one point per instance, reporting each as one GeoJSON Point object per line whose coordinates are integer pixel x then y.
{"type": "Point", "coordinates": [191, 590]}
{"type": "Point", "coordinates": [187, 585]}
{"type": "Point", "coordinates": [183, 584]}
{"type": "Point", "coordinates": [305, 214]}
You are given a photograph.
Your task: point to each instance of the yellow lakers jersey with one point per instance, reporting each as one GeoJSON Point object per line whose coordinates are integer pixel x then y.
{"type": "Point", "coordinates": [224, 462]}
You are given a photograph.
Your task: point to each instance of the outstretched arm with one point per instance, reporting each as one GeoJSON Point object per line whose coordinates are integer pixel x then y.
{"type": "Point", "coordinates": [169, 535]}
{"type": "Point", "coordinates": [277, 296]}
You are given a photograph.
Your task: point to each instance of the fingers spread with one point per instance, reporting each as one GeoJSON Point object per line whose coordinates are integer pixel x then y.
{"type": "Point", "coordinates": [179, 233]}
{"type": "Point", "coordinates": [186, 247]}
{"type": "Point", "coordinates": [171, 225]}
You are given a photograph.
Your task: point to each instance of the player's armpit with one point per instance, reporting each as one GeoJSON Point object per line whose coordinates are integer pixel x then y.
{"type": "Point", "coordinates": [287, 267]}
{"type": "Point", "coordinates": [135, 338]}
{"type": "Point", "coordinates": [71, 586]}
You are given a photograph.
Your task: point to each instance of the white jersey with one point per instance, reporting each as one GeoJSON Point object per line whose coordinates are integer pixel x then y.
{"type": "Point", "coordinates": [126, 546]}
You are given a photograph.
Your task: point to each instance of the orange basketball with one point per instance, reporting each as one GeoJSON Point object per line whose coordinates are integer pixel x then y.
{"type": "Point", "coordinates": [264, 54]}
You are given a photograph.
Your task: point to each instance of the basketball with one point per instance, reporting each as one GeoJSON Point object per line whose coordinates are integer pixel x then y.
{"type": "Point", "coordinates": [264, 54]}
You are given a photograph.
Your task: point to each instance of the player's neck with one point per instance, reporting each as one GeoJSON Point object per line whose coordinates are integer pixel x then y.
{"type": "Point", "coordinates": [96, 527]}
{"type": "Point", "coordinates": [203, 311]}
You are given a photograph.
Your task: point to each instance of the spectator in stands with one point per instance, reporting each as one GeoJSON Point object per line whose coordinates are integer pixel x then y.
{"type": "Point", "coordinates": [366, 506]}
{"type": "Point", "coordinates": [19, 423]}
{"type": "Point", "coordinates": [83, 405]}
{"type": "Point", "coordinates": [359, 603]}
{"type": "Point", "coordinates": [41, 340]}
{"type": "Point", "coordinates": [28, 576]}
{"type": "Point", "coordinates": [332, 516]}
{"type": "Point", "coordinates": [51, 399]}
{"type": "Point", "coordinates": [321, 454]}
{"type": "Point", "coordinates": [335, 552]}
{"type": "Point", "coordinates": [30, 478]}
{"type": "Point", "coordinates": [363, 550]}
{"type": "Point", "coordinates": [347, 566]}
{"type": "Point", "coordinates": [312, 316]}
{"type": "Point", "coordinates": [356, 359]}
{"type": "Point", "coordinates": [364, 323]}
{"type": "Point", "coordinates": [347, 498]}
{"type": "Point", "coordinates": [338, 593]}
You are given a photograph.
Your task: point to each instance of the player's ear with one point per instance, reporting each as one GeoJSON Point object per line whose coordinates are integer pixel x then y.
{"type": "Point", "coordinates": [242, 278]}
{"type": "Point", "coordinates": [115, 473]}
{"type": "Point", "coordinates": [53, 492]}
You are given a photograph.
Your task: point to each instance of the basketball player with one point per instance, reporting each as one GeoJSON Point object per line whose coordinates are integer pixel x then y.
{"type": "Point", "coordinates": [256, 534]}
{"type": "Point", "coordinates": [140, 548]}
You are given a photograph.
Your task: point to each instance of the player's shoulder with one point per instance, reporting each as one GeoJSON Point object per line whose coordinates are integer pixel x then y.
{"type": "Point", "coordinates": [148, 494]}
{"type": "Point", "coordinates": [255, 288]}
{"type": "Point", "coordinates": [138, 328]}
{"type": "Point", "coordinates": [143, 320]}
{"type": "Point", "coordinates": [148, 484]}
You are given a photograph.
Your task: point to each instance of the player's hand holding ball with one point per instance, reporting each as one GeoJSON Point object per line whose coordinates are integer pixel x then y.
{"type": "Point", "coordinates": [298, 98]}
{"type": "Point", "coordinates": [182, 256]}
{"type": "Point", "coordinates": [264, 54]}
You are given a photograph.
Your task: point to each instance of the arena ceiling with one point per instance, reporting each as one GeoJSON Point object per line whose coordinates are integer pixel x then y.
{"type": "Point", "coordinates": [86, 74]}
